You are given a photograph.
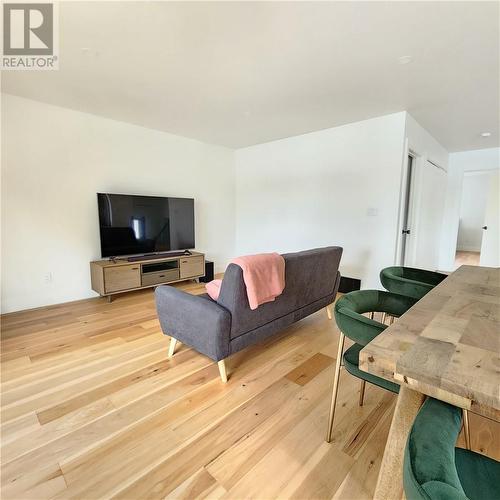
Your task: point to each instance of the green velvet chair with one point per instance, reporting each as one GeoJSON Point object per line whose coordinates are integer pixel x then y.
{"type": "Point", "coordinates": [416, 283]}
{"type": "Point", "coordinates": [410, 281]}
{"type": "Point", "coordinates": [434, 469]}
{"type": "Point", "coordinates": [350, 316]}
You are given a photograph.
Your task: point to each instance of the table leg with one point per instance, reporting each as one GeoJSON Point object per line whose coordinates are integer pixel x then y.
{"type": "Point", "coordinates": [390, 478]}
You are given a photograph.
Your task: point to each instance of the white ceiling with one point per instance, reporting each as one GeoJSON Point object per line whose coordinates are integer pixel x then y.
{"type": "Point", "coordinates": [238, 74]}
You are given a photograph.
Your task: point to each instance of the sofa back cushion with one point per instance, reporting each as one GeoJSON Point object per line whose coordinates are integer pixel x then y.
{"type": "Point", "coordinates": [309, 276]}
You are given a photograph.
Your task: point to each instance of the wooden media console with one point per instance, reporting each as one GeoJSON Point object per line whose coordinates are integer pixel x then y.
{"type": "Point", "coordinates": [110, 277]}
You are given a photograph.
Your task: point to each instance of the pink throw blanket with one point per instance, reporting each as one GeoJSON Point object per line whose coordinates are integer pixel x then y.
{"type": "Point", "coordinates": [213, 289]}
{"type": "Point", "coordinates": [264, 277]}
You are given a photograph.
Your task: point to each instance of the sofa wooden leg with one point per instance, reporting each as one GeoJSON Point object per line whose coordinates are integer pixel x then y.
{"type": "Point", "coordinates": [171, 348]}
{"type": "Point", "coordinates": [328, 312]}
{"type": "Point", "coordinates": [222, 370]}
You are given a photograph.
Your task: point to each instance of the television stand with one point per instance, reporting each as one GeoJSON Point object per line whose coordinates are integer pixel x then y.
{"type": "Point", "coordinates": [110, 277]}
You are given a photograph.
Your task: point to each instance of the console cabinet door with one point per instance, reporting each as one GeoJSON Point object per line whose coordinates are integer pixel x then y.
{"type": "Point", "coordinates": [122, 278]}
{"type": "Point", "coordinates": [192, 266]}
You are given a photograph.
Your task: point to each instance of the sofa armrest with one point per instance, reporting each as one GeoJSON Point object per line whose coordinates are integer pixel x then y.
{"type": "Point", "coordinates": [194, 320]}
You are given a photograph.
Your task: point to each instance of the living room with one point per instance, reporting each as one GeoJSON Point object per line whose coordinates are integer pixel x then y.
{"type": "Point", "coordinates": [335, 139]}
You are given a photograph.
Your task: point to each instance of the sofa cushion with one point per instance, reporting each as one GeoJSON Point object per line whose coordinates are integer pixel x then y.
{"type": "Point", "coordinates": [267, 330]}
{"type": "Point", "coordinates": [309, 277]}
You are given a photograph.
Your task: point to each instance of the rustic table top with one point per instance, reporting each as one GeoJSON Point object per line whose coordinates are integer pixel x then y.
{"type": "Point", "coordinates": [448, 344]}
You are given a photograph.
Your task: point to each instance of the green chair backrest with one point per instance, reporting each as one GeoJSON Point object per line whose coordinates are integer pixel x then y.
{"type": "Point", "coordinates": [429, 471]}
{"type": "Point", "coordinates": [410, 281]}
{"type": "Point", "coordinates": [350, 308]}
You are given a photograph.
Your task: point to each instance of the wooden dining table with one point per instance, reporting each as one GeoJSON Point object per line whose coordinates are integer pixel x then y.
{"type": "Point", "coordinates": [446, 346]}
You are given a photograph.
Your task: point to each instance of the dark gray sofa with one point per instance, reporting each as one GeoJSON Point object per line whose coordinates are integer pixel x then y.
{"type": "Point", "coordinates": [219, 329]}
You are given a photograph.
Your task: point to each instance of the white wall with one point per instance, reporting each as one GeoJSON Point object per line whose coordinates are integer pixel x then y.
{"type": "Point", "coordinates": [339, 186]}
{"type": "Point", "coordinates": [424, 144]}
{"type": "Point", "coordinates": [427, 196]}
{"type": "Point", "coordinates": [475, 187]}
{"type": "Point", "coordinates": [319, 189]}
{"type": "Point", "coordinates": [459, 163]}
{"type": "Point", "coordinates": [54, 160]}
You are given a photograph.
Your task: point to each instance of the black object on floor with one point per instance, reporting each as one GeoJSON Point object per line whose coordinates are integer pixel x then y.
{"type": "Point", "coordinates": [209, 272]}
{"type": "Point", "coordinates": [349, 284]}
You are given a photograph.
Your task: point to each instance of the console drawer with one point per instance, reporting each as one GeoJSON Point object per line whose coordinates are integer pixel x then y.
{"type": "Point", "coordinates": [160, 277]}
{"type": "Point", "coordinates": [122, 278]}
{"type": "Point", "coordinates": [192, 266]}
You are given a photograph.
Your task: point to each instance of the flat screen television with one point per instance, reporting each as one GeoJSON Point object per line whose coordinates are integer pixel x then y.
{"type": "Point", "coordinates": [132, 225]}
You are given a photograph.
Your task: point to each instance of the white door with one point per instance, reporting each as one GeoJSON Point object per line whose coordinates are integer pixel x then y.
{"type": "Point", "coordinates": [490, 246]}
{"type": "Point", "coordinates": [427, 216]}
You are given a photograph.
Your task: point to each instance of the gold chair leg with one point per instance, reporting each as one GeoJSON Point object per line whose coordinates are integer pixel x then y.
{"type": "Point", "coordinates": [222, 370]}
{"type": "Point", "coordinates": [466, 428]}
{"type": "Point", "coordinates": [362, 392]}
{"type": "Point", "coordinates": [171, 347]}
{"type": "Point", "coordinates": [328, 312]}
{"type": "Point", "coordinates": [384, 315]}
{"type": "Point", "coordinates": [335, 390]}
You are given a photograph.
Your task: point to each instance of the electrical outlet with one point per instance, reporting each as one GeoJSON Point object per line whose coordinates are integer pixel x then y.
{"type": "Point", "coordinates": [372, 212]}
{"type": "Point", "coordinates": [47, 278]}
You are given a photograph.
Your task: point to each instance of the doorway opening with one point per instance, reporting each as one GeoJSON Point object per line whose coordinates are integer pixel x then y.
{"type": "Point", "coordinates": [473, 242]}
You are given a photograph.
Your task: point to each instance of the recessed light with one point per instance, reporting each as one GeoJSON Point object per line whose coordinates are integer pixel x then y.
{"type": "Point", "coordinates": [405, 59]}
{"type": "Point", "coordinates": [485, 134]}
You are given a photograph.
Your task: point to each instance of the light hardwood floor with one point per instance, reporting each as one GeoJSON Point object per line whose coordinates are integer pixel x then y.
{"type": "Point", "coordinates": [466, 258]}
{"type": "Point", "coordinates": [92, 408]}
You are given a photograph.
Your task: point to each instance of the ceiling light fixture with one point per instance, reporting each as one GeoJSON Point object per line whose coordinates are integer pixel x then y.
{"type": "Point", "coordinates": [485, 134]}
{"type": "Point", "coordinates": [405, 59]}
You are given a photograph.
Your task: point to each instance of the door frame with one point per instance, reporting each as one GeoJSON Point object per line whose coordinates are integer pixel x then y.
{"type": "Point", "coordinates": [413, 194]}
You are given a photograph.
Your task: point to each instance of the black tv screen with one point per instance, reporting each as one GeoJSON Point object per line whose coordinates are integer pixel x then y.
{"type": "Point", "coordinates": [144, 224]}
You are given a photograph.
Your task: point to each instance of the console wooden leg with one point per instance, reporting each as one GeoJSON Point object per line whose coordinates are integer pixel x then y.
{"type": "Point", "coordinates": [222, 370]}
{"type": "Point", "coordinates": [171, 348]}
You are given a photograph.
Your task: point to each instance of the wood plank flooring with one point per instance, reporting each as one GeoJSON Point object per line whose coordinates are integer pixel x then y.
{"type": "Point", "coordinates": [92, 408]}
{"type": "Point", "coordinates": [466, 258]}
